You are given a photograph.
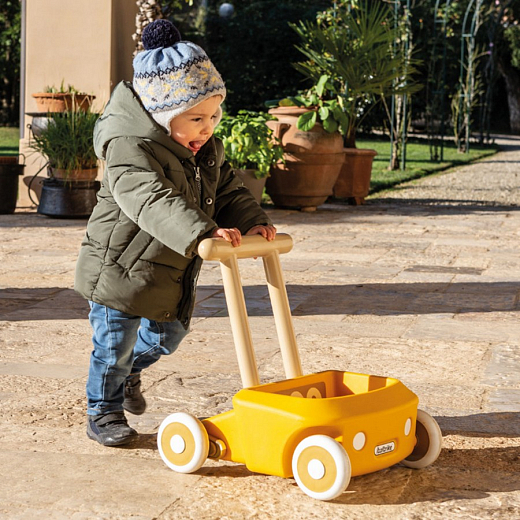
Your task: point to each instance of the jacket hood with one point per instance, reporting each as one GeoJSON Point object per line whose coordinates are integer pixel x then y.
{"type": "Point", "coordinates": [125, 116]}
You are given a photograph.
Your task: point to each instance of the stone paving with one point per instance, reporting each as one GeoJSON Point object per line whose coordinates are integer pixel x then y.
{"type": "Point", "coordinates": [421, 283]}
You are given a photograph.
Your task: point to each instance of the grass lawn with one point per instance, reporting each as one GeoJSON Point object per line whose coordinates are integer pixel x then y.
{"type": "Point", "coordinates": [418, 162]}
{"type": "Point", "coordinates": [9, 137]}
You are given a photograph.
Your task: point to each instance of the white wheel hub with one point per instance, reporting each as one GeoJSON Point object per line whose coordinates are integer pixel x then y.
{"type": "Point", "coordinates": [316, 469]}
{"type": "Point", "coordinates": [177, 444]}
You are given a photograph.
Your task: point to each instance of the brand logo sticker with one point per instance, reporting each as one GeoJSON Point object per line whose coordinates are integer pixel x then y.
{"type": "Point", "coordinates": [384, 448]}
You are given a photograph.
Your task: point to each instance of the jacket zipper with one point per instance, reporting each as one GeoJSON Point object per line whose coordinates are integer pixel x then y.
{"type": "Point", "coordinates": [198, 181]}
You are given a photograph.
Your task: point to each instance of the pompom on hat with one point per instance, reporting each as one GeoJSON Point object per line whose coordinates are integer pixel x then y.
{"type": "Point", "coordinates": [171, 75]}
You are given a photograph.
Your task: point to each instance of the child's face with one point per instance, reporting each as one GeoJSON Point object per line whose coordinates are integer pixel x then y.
{"type": "Point", "coordinates": [195, 126]}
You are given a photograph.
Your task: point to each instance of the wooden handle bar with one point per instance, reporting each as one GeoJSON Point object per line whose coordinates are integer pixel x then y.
{"type": "Point", "coordinates": [251, 246]}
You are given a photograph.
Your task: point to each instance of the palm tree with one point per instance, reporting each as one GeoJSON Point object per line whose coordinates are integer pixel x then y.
{"type": "Point", "coordinates": [354, 46]}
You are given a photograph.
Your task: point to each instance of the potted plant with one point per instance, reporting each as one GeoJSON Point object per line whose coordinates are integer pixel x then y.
{"type": "Point", "coordinates": [250, 147]}
{"type": "Point", "coordinates": [352, 44]}
{"type": "Point", "coordinates": [67, 143]}
{"type": "Point", "coordinates": [309, 127]}
{"type": "Point", "coordinates": [318, 106]}
{"type": "Point", "coordinates": [54, 99]}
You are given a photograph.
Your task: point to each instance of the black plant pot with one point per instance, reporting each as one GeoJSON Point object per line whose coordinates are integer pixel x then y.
{"type": "Point", "coordinates": [68, 199]}
{"type": "Point", "coordinates": [10, 170]}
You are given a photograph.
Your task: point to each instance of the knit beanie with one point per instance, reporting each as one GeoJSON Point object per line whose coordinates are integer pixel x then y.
{"type": "Point", "coordinates": [171, 75]}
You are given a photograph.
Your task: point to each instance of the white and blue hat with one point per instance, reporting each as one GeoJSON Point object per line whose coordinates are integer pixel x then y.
{"type": "Point", "coordinates": [171, 75]}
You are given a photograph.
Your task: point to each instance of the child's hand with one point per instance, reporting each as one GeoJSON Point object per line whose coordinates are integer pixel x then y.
{"type": "Point", "coordinates": [268, 232]}
{"type": "Point", "coordinates": [232, 235]}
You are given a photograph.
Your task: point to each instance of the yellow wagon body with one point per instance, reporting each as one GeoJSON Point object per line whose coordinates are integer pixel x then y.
{"type": "Point", "coordinates": [320, 428]}
{"type": "Point", "coordinates": [372, 417]}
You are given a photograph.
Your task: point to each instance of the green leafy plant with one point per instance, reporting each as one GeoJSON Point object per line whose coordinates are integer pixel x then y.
{"type": "Point", "coordinates": [61, 89]}
{"type": "Point", "coordinates": [67, 141]}
{"type": "Point", "coordinates": [352, 44]}
{"type": "Point", "coordinates": [328, 112]}
{"type": "Point", "coordinates": [248, 142]}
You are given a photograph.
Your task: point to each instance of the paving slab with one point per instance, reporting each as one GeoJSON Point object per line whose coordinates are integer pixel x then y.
{"type": "Point", "coordinates": [421, 283]}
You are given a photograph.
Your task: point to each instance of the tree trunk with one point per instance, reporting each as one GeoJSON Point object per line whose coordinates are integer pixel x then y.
{"type": "Point", "coordinates": [398, 133]}
{"type": "Point", "coordinates": [350, 138]}
{"type": "Point", "coordinates": [511, 76]}
{"type": "Point", "coordinates": [149, 11]}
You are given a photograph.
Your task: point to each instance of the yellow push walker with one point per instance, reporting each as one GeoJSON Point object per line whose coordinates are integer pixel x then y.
{"type": "Point", "coordinates": [320, 428]}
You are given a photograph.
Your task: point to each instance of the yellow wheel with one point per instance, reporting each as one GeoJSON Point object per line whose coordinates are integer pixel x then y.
{"type": "Point", "coordinates": [321, 467]}
{"type": "Point", "coordinates": [183, 442]}
{"type": "Point", "coordinates": [429, 442]}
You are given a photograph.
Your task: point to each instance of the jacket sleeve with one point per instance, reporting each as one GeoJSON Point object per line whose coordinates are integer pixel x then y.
{"type": "Point", "coordinates": [142, 191]}
{"type": "Point", "coordinates": [235, 205]}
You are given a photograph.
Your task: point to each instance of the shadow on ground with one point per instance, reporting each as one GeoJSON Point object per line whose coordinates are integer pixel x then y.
{"type": "Point", "coordinates": [501, 424]}
{"type": "Point", "coordinates": [29, 219]}
{"type": "Point", "coordinates": [378, 299]}
{"type": "Point", "coordinates": [49, 303]}
{"type": "Point", "coordinates": [430, 206]}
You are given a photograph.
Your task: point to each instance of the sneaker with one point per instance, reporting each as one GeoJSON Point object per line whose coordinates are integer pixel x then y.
{"type": "Point", "coordinates": [134, 401]}
{"type": "Point", "coordinates": [110, 429]}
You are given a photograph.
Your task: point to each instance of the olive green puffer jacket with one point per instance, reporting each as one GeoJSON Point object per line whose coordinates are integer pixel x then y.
{"type": "Point", "coordinates": [156, 203]}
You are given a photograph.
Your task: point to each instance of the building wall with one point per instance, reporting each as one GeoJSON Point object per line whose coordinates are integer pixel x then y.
{"type": "Point", "coordinates": [84, 43]}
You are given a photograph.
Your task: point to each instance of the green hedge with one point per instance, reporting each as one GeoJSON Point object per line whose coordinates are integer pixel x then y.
{"type": "Point", "coordinates": [254, 49]}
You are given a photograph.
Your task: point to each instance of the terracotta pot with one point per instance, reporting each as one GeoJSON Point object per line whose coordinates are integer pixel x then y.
{"type": "Point", "coordinates": [305, 181]}
{"type": "Point", "coordinates": [353, 182]}
{"type": "Point", "coordinates": [312, 162]}
{"type": "Point", "coordinates": [60, 101]}
{"type": "Point", "coordinates": [253, 183]}
{"type": "Point", "coordinates": [74, 175]}
{"type": "Point", "coordinates": [316, 141]}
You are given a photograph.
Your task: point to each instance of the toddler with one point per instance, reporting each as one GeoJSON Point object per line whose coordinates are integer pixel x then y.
{"type": "Point", "coordinates": [166, 187]}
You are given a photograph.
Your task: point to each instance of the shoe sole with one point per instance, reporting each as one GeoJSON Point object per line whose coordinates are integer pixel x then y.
{"type": "Point", "coordinates": [120, 442]}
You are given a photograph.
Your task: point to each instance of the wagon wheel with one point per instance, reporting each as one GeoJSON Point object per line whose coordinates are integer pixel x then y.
{"type": "Point", "coordinates": [429, 442]}
{"type": "Point", "coordinates": [321, 467]}
{"type": "Point", "coordinates": [183, 442]}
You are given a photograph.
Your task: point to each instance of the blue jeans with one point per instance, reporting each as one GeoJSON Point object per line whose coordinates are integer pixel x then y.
{"type": "Point", "coordinates": [123, 346]}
